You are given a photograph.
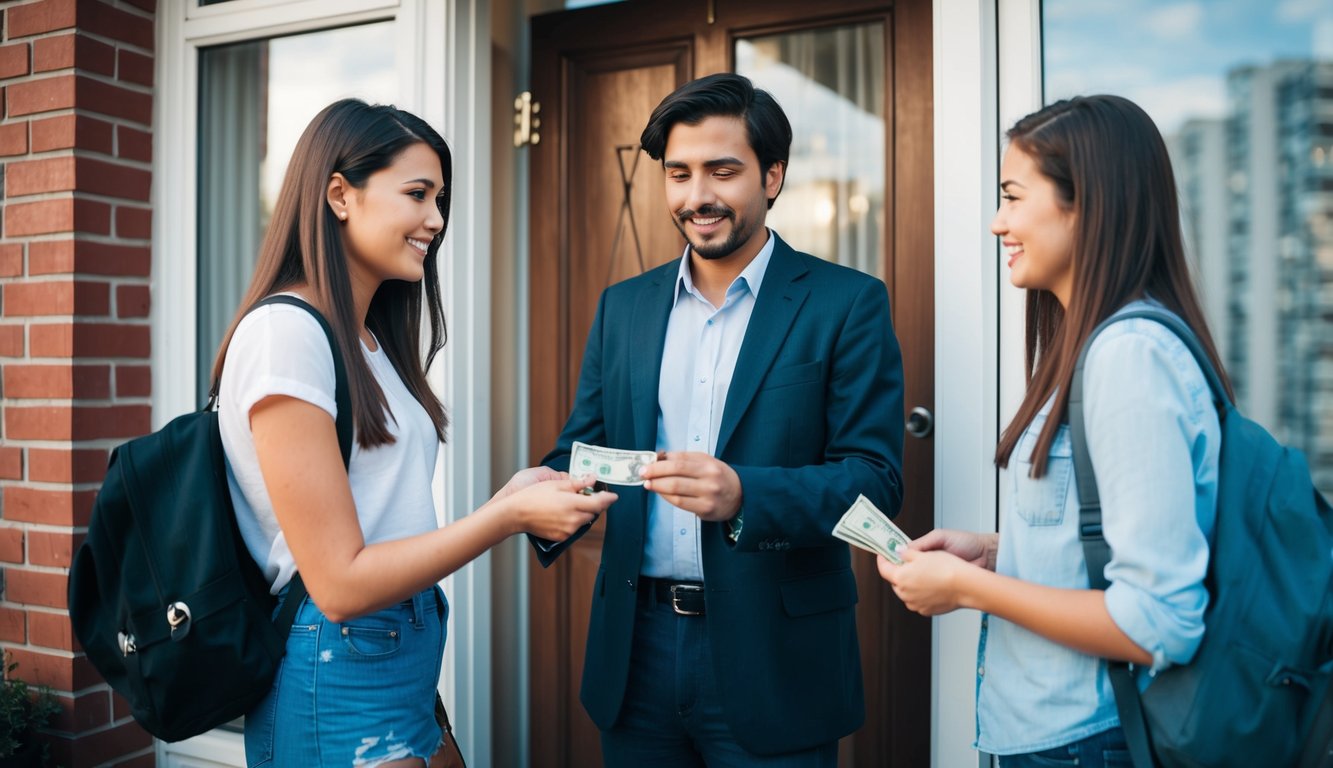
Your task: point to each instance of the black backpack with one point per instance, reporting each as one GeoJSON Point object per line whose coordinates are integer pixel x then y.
{"type": "Point", "coordinates": [1257, 691]}
{"type": "Point", "coordinates": [164, 597]}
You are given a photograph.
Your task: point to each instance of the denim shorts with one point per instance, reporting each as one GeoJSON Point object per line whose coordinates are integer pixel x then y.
{"type": "Point", "coordinates": [1102, 750]}
{"type": "Point", "coordinates": [360, 693]}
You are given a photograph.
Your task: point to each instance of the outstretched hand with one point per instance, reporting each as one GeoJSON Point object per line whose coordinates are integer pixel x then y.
{"type": "Point", "coordinates": [695, 482]}
{"type": "Point", "coordinates": [556, 509]}
{"type": "Point", "coordinates": [930, 583]}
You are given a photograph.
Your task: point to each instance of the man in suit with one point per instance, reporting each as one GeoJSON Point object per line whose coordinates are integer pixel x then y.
{"type": "Point", "coordinates": [722, 628]}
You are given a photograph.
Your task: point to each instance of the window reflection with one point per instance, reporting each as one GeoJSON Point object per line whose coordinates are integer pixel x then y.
{"type": "Point", "coordinates": [255, 98]}
{"type": "Point", "coordinates": [830, 82]}
{"type": "Point", "coordinates": [1243, 92]}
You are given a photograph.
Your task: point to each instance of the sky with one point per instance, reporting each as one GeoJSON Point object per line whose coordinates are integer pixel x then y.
{"type": "Point", "coordinates": [1172, 57]}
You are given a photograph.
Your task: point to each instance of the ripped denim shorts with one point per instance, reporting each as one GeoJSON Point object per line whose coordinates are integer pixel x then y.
{"type": "Point", "coordinates": [360, 693]}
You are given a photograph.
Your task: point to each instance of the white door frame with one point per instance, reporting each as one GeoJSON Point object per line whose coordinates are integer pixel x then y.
{"type": "Point", "coordinates": [445, 78]}
{"type": "Point", "coordinates": [987, 73]}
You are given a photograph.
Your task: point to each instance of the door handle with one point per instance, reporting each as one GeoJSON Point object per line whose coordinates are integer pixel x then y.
{"type": "Point", "coordinates": [920, 422]}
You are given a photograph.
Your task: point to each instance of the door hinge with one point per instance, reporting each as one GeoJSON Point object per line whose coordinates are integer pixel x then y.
{"type": "Point", "coordinates": [526, 121]}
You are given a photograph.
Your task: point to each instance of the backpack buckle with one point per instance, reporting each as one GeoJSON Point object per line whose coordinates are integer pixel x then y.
{"type": "Point", "coordinates": [127, 644]}
{"type": "Point", "coordinates": [178, 616]}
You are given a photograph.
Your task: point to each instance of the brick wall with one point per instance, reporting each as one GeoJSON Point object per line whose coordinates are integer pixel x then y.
{"type": "Point", "coordinates": [76, 81]}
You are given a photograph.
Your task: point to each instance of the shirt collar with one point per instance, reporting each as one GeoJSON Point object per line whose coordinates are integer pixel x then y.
{"type": "Point", "coordinates": [749, 279]}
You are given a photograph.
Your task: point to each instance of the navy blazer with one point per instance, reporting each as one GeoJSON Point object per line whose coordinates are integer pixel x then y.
{"type": "Point", "coordinates": [814, 417]}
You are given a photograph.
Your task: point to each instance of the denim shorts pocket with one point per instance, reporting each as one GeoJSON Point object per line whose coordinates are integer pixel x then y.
{"type": "Point", "coordinates": [1060, 757]}
{"type": "Point", "coordinates": [372, 641]}
{"type": "Point", "coordinates": [1041, 500]}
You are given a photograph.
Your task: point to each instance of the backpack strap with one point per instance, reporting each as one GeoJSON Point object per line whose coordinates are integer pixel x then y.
{"type": "Point", "coordinates": [1096, 552]}
{"type": "Point", "coordinates": [296, 591]}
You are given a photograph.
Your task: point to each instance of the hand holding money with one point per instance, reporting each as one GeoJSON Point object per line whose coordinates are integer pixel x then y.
{"type": "Point", "coordinates": [866, 527]}
{"type": "Point", "coordinates": [609, 465]}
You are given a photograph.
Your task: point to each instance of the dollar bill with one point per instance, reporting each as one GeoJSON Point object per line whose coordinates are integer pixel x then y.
{"type": "Point", "coordinates": [610, 465]}
{"type": "Point", "coordinates": [864, 526]}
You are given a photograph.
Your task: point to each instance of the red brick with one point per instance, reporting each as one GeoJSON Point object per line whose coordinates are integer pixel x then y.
{"type": "Point", "coordinates": [11, 259]}
{"type": "Point", "coordinates": [71, 131]}
{"type": "Point", "coordinates": [51, 630]}
{"type": "Point", "coordinates": [36, 588]}
{"type": "Point", "coordinates": [66, 507]}
{"type": "Point", "coordinates": [102, 98]}
{"type": "Point", "coordinates": [133, 144]}
{"type": "Point", "coordinates": [30, 177]}
{"type": "Point", "coordinates": [11, 341]}
{"type": "Point", "coordinates": [101, 19]}
{"type": "Point", "coordinates": [73, 51]}
{"type": "Point", "coordinates": [14, 60]}
{"type": "Point", "coordinates": [134, 67]}
{"type": "Point", "coordinates": [53, 549]}
{"type": "Point", "coordinates": [132, 301]}
{"type": "Point", "coordinates": [44, 217]}
{"type": "Point", "coordinates": [120, 708]}
{"type": "Point", "coordinates": [43, 95]}
{"type": "Point", "coordinates": [11, 545]}
{"type": "Point", "coordinates": [94, 749]}
{"type": "Point", "coordinates": [45, 16]}
{"type": "Point", "coordinates": [57, 381]}
{"type": "Point", "coordinates": [39, 218]}
{"type": "Point", "coordinates": [11, 463]}
{"type": "Point", "coordinates": [89, 340]}
{"type": "Point", "coordinates": [79, 422]}
{"type": "Point", "coordinates": [60, 672]}
{"type": "Point", "coordinates": [13, 139]}
{"type": "Point", "coordinates": [64, 465]}
{"type": "Point", "coordinates": [134, 223]}
{"type": "Point", "coordinates": [112, 179]}
{"type": "Point", "coordinates": [134, 381]}
{"type": "Point", "coordinates": [59, 297]}
{"type": "Point", "coordinates": [13, 625]}
{"type": "Point", "coordinates": [89, 258]}
{"type": "Point", "coordinates": [82, 713]}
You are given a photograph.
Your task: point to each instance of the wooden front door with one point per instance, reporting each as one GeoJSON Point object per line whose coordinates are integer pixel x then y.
{"type": "Point", "coordinates": [855, 79]}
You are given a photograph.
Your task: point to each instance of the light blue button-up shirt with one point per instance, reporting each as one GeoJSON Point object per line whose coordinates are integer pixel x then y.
{"type": "Point", "coordinates": [698, 359]}
{"type": "Point", "coordinates": [1153, 437]}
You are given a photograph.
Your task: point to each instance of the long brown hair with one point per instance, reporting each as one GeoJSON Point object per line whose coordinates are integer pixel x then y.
{"type": "Point", "coordinates": [1110, 167]}
{"type": "Point", "coordinates": [303, 244]}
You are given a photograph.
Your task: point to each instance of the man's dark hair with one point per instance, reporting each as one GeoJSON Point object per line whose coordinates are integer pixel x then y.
{"type": "Point", "coordinates": [723, 95]}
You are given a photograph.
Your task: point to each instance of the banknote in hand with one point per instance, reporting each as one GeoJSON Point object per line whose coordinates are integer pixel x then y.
{"type": "Point", "coordinates": [866, 527]}
{"type": "Point", "coordinates": [610, 465]}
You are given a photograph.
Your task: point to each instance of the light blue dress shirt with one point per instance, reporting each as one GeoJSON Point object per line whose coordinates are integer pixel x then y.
{"type": "Point", "coordinates": [1153, 437]}
{"type": "Point", "coordinates": [698, 359]}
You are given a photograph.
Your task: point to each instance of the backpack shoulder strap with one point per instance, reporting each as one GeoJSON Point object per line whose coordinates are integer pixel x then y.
{"type": "Point", "coordinates": [296, 591]}
{"type": "Point", "coordinates": [1095, 550]}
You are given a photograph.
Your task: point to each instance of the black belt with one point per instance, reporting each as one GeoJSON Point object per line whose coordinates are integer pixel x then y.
{"type": "Point", "coordinates": [685, 597]}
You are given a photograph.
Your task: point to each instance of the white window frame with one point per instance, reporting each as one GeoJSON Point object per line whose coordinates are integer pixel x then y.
{"type": "Point", "coordinates": [447, 84]}
{"type": "Point", "coordinates": [987, 65]}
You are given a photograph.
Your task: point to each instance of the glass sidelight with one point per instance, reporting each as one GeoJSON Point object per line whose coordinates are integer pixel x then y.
{"type": "Point", "coordinates": [255, 98]}
{"type": "Point", "coordinates": [830, 82]}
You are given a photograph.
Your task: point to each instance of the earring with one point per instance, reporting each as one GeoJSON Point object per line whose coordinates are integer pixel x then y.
{"type": "Point", "coordinates": [342, 216]}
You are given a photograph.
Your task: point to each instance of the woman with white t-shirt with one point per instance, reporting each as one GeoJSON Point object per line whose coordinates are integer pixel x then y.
{"type": "Point", "coordinates": [355, 231]}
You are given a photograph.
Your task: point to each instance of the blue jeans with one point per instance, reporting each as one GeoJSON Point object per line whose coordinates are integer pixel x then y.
{"type": "Point", "coordinates": [1103, 750]}
{"type": "Point", "coordinates": [360, 693]}
{"type": "Point", "coordinates": [672, 715]}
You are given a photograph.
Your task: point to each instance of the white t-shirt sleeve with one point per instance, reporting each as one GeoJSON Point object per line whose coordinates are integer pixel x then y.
{"type": "Point", "coordinates": [279, 350]}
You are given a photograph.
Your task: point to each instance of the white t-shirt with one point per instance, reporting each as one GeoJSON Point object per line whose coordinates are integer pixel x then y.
{"type": "Point", "coordinates": [281, 350]}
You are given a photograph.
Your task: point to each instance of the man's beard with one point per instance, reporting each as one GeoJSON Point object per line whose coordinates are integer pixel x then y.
{"type": "Point", "coordinates": [713, 251]}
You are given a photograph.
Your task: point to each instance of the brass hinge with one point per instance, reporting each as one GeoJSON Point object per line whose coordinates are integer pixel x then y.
{"type": "Point", "coordinates": [526, 121]}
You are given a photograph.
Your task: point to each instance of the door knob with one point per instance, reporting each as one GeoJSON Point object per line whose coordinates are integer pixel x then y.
{"type": "Point", "coordinates": [920, 422]}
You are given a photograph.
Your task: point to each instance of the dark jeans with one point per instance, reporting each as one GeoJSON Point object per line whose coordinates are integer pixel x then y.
{"type": "Point", "coordinates": [672, 715]}
{"type": "Point", "coordinates": [1103, 750]}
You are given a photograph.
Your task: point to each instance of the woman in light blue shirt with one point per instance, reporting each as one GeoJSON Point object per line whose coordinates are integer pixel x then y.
{"type": "Point", "coordinates": [1090, 227]}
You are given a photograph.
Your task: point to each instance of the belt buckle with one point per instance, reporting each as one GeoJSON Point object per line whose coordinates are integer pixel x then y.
{"type": "Point", "coordinates": [677, 591]}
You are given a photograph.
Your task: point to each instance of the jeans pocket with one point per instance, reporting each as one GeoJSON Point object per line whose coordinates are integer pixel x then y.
{"type": "Point", "coordinates": [1060, 757]}
{"type": "Point", "coordinates": [371, 641]}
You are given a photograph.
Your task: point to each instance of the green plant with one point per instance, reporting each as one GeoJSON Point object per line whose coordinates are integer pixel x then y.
{"type": "Point", "coordinates": [22, 710]}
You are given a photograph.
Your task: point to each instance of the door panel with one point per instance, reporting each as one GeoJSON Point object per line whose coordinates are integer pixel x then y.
{"type": "Point", "coordinates": [867, 204]}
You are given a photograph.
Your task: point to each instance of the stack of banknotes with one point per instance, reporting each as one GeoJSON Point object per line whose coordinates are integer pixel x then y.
{"type": "Point", "coordinates": [866, 527]}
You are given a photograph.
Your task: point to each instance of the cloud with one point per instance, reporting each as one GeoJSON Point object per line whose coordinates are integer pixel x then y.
{"type": "Point", "coordinates": [1301, 10]}
{"type": "Point", "coordinates": [1175, 22]}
